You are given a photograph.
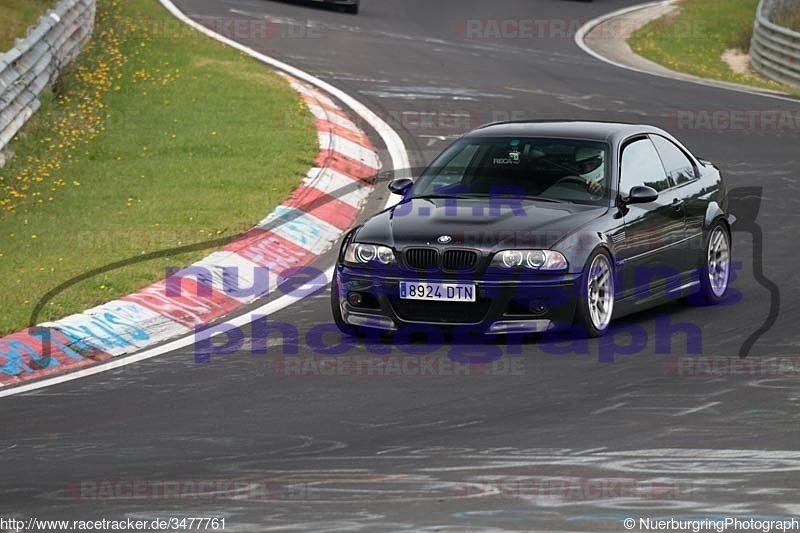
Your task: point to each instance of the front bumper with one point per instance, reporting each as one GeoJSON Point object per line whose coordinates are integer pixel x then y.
{"type": "Point", "coordinates": [503, 306]}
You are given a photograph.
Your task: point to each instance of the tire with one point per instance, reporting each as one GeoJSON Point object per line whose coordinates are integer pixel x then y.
{"type": "Point", "coordinates": [352, 9]}
{"type": "Point", "coordinates": [595, 301]}
{"type": "Point", "coordinates": [715, 273]}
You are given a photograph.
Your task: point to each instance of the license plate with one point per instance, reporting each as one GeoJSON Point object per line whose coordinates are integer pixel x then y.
{"type": "Point", "coordinates": [443, 292]}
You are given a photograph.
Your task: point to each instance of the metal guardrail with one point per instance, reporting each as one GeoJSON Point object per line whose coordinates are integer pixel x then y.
{"type": "Point", "coordinates": [36, 61]}
{"type": "Point", "coordinates": [775, 50]}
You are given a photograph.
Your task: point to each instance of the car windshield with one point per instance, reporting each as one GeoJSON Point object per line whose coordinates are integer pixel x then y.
{"type": "Point", "coordinates": [550, 169]}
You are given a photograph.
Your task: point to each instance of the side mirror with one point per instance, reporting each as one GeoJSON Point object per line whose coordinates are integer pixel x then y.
{"type": "Point", "coordinates": [400, 185]}
{"type": "Point", "coordinates": [641, 194]}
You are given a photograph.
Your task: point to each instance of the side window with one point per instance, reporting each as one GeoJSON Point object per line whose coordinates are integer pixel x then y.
{"type": "Point", "coordinates": [679, 168]}
{"type": "Point", "coordinates": [642, 166]}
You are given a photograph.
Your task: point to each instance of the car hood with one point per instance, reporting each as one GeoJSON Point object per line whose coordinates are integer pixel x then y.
{"type": "Point", "coordinates": [482, 223]}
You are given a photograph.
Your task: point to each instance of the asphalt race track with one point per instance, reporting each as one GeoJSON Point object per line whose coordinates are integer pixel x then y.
{"type": "Point", "coordinates": [545, 438]}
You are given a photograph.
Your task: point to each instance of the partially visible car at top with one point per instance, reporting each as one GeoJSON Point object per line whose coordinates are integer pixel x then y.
{"type": "Point", "coordinates": [532, 226]}
{"type": "Point", "coordinates": [350, 6]}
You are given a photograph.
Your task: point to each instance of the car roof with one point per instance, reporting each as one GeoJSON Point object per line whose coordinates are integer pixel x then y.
{"type": "Point", "coordinates": [611, 132]}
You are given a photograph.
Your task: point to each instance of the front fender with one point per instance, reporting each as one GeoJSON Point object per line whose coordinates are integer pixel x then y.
{"type": "Point", "coordinates": [578, 247]}
{"type": "Point", "coordinates": [715, 212]}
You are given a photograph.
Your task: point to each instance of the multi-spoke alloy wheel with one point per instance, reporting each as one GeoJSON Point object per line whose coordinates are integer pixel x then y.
{"type": "Point", "coordinates": [596, 304]}
{"type": "Point", "coordinates": [718, 261]}
{"type": "Point", "coordinates": [715, 270]}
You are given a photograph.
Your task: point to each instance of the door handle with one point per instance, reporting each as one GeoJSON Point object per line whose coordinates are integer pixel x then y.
{"type": "Point", "coordinates": [677, 204]}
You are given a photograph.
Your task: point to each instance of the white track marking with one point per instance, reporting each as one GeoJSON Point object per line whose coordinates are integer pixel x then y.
{"type": "Point", "coordinates": [696, 409]}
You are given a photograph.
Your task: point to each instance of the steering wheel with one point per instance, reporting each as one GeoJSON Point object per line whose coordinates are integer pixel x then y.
{"type": "Point", "coordinates": [572, 179]}
{"type": "Point", "coordinates": [577, 180]}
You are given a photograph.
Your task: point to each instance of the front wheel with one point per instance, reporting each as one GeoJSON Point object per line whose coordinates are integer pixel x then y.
{"type": "Point", "coordinates": [352, 9]}
{"type": "Point", "coordinates": [596, 294]}
{"type": "Point", "coordinates": [715, 274]}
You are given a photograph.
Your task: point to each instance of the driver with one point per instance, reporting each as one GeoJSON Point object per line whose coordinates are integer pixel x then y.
{"type": "Point", "coordinates": [591, 167]}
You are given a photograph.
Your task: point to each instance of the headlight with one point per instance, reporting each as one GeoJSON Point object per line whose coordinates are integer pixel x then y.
{"type": "Point", "coordinates": [363, 254]}
{"type": "Point", "coordinates": [530, 259]}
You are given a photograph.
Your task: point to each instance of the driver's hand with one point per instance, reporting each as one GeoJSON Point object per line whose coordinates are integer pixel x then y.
{"type": "Point", "coordinates": [594, 186]}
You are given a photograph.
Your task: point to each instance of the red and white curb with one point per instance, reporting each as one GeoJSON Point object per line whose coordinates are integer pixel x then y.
{"type": "Point", "coordinates": [307, 224]}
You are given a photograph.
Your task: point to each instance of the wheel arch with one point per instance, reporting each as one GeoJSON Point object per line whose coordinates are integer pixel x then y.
{"type": "Point", "coordinates": [715, 213]}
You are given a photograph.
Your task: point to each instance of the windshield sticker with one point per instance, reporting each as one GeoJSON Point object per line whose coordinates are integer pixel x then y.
{"type": "Point", "coordinates": [512, 159]}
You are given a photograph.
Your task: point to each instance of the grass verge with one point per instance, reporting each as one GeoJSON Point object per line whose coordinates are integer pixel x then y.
{"type": "Point", "coordinates": [694, 39]}
{"type": "Point", "coordinates": [157, 137]}
{"type": "Point", "coordinates": [17, 16]}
